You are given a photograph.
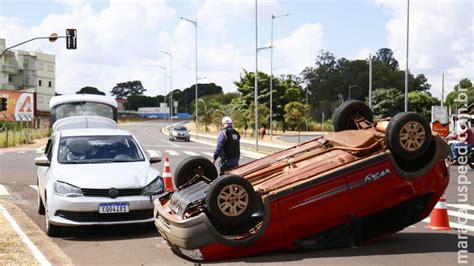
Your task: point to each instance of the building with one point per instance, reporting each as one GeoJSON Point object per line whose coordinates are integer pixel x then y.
{"type": "Point", "coordinates": [31, 72]}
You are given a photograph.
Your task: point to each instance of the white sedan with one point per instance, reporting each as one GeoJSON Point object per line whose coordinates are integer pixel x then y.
{"type": "Point", "coordinates": [92, 176]}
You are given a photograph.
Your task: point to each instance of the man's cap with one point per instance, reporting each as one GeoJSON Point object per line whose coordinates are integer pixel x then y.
{"type": "Point", "coordinates": [226, 120]}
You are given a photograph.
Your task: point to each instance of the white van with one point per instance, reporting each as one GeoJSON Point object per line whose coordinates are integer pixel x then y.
{"type": "Point", "coordinates": [83, 111]}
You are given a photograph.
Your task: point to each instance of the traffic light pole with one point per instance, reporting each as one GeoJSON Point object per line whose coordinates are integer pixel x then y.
{"type": "Point", "coordinates": [30, 40]}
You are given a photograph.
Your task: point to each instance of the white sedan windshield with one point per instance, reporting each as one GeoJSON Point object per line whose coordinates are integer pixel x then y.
{"type": "Point", "coordinates": [98, 149]}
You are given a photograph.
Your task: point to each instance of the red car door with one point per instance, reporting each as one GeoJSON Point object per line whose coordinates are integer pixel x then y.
{"type": "Point", "coordinates": [315, 206]}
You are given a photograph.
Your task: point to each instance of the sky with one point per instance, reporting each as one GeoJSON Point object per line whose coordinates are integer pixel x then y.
{"type": "Point", "coordinates": [121, 40]}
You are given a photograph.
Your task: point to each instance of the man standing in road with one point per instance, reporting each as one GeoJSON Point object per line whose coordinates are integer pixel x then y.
{"type": "Point", "coordinates": [228, 146]}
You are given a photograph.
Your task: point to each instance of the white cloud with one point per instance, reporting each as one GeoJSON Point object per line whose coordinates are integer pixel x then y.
{"type": "Point", "coordinates": [111, 46]}
{"type": "Point", "coordinates": [363, 54]}
{"type": "Point", "coordinates": [122, 42]}
{"type": "Point", "coordinates": [441, 38]}
{"type": "Point", "coordinates": [299, 49]}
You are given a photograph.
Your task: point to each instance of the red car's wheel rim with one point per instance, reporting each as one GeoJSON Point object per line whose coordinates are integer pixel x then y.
{"type": "Point", "coordinates": [233, 200]}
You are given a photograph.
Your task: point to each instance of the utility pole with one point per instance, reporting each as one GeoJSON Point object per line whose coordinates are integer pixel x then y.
{"type": "Point", "coordinates": [194, 22]}
{"type": "Point", "coordinates": [271, 76]}
{"type": "Point", "coordinates": [171, 84]}
{"type": "Point", "coordinates": [164, 78]}
{"type": "Point", "coordinates": [370, 80]}
{"type": "Point", "coordinates": [442, 90]}
{"type": "Point", "coordinates": [256, 77]}
{"type": "Point", "coordinates": [406, 67]}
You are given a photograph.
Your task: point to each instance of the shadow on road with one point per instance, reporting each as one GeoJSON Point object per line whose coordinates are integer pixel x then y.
{"type": "Point", "coordinates": [110, 232]}
{"type": "Point", "coordinates": [397, 244]}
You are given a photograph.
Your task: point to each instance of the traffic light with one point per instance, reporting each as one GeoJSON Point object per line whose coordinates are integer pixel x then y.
{"type": "Point", "coordinates": [71, 38]}
{"type": "Point", "coordinates": [3, 104]}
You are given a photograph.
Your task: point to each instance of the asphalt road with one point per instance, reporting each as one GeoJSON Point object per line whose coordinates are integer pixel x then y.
{"type": "Point", "coordinates": [138, 245]}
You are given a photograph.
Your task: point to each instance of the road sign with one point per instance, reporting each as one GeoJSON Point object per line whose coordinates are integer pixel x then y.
{"type": "Point", "coordinates": [53, 37]}
{"type": "Point", "coordinates": [71, 38]}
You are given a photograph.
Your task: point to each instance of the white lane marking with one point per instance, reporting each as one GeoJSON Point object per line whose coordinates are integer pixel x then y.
{"type": "Point", "coordinates": [170, 143]}
{"type": "Point", "coordinates": [208, 154]}
{"type": "Point", "coordinates": [253, 156]}
{"type": "Point", "coordinates": [190, 153]}
{"type": "Point", "coordinates": [35, 187]}
{"type": "Point", "coordinates": [172, 153]}
{"type": "Point", "coordinates": [454, 225]}
{"type": "Point", "coordinates": [3, 191]}
{"type": "Point", "coordinates": [156, 146]}
{"type": "Point", "coordinates": [22, 152]}
{"type": "Point", "coordinates": [460, 214]}
{"type": "Point", "coordinates": [461, 206]}
{"type": "Point", "coordinates": [153, 153]}
{"type": "Point", "coordinates": [36, 253]}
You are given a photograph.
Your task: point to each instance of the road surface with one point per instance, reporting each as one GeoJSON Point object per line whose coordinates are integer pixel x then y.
{"type": "Point", "coordinates": [139, 245]}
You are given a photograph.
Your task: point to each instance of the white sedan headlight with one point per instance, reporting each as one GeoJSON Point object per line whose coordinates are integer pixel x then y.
{"type": "Point", "coordinates": [155, 187]}
{"type": "Point", "coordinates": [66, 190]}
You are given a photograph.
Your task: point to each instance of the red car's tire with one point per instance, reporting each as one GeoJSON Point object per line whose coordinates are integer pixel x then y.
{"type": "Point", "coordinates": [408, 135]}
{"type": "Point", "coordinates": [230, 201]}
{"type": "Point", "coordinates": [342, 118]}
{"type": "Point", "coordinates": [192, 166]}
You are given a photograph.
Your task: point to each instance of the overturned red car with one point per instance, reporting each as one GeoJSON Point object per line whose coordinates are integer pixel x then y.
{"type": "Point", "coordinates": [366, 180]}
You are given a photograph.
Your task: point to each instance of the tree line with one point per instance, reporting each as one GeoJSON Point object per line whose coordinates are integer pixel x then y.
{"type": "Point", "coordinates": [303, 100]}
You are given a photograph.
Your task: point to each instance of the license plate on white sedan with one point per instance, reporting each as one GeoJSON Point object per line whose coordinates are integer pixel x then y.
{"type": "Point", "coordinates": [114, 208]}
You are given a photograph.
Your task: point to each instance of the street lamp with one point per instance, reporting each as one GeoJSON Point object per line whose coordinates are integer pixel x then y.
{"type": "Point", "coordinates": [256, 93]}
{"type": "Point", "coordinates": [350, 87]}
{"type": "Point", "coordinates": [171, 83]}
{"type": "Point", "coordinates": [370, 80]}
{"type": "Point", "coordinates": [406, 68]}
{"type": "Point", "coordinates": [164, 78]}
{"type": "Point", "coordinates": [256, 76]}
{"type": "Point", "coordinates": [271, 75]}
{"type": "Point", "coordinates": [197, 121]}
{"type": "Point", "coordinates": [194, 22]}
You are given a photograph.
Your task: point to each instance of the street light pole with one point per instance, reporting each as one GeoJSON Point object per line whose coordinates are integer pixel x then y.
{"type": "Point", "coordinates": [271, 76]}
{"type": "Point", "coordinates": [164, 77]}
{"type": "Point", "coordinates": [442, 90]}
{"type": "Point", "coordinates": [171, 84]}
{"type": "Point", "coordinates": [350, 87]}
{"type": "Point", "coordinates": [406, 68]}
{"type": "Point", "coordinates": [370, 80]}
{"type": "Point", "coordinates": [256, 77]}
{"type": "Point", "coordinates": [194, 22]}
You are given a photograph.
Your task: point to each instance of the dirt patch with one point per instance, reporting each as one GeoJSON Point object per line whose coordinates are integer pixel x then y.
{"type": "Point", "coordinates": [37, 143]}
{"type": "Point", "coordinates": [12, 250]}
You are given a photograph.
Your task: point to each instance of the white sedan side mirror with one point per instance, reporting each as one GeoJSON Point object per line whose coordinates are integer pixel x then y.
{"type": "Point", "coordinates": [42, 161]}
{"type": "Point", "coordinates": [155, 159]}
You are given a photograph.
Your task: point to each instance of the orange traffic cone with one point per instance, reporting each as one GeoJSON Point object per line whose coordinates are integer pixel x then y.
{"type": "Point", "coordinates": [439, 216]}
{"type": "Point", "coordinates": [167, 176]}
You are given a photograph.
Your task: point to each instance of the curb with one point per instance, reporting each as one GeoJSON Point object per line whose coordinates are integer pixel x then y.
{"type": "Point", "coordinates": [52, 253]}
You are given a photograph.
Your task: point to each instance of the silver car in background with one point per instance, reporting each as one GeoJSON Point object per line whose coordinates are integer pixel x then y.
{"type": "Point", "coordinates": [179, 132]}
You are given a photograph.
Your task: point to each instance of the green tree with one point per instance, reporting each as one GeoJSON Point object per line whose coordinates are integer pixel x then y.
{"type": "Point", "coordinates": [296, 115]}
{"type": "Point", "coordinates": [385, 55]}
{"type": "Point", "coordinates": [206, 113]}
{"type": "Point", "coordinates": [286, 88]}
{"type": "Point", "coordinates": [462, 93]}
{"type": "Point", "coordinates": [90, 90]}
{"type": "Point", "coordinates": [330, 78]}
{"type": "Point", "coordinates": [130, 88]}
{"type": "Point", "coordinates": [137, 101]}
{"type": "Point", "coordinates": [189, 94]}
{"type": "Point", "coordinates": [421, 102]}
{"type": "Point", "coordinates": [387, 102]}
